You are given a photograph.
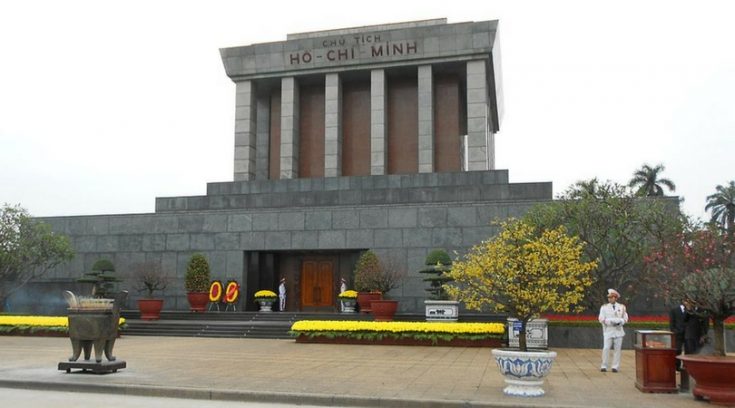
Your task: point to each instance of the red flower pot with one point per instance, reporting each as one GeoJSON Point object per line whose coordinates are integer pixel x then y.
{"type": "Point", "coordinates": [198, 301]}
{"type": "Point", "coordinates": [150, 309]}
{"type": "Point", "coordinates": [714, 375]}
{"type": "Point", "coordinates": [364, 300]}
{"type": "Point", "coordinates": [384, 310]}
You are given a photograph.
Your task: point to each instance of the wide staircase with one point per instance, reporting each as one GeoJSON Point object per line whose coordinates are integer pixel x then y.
{"type": "Point", "coordinates": [261, 325]}
{"type": "Point", "coordinates": [256, 325]}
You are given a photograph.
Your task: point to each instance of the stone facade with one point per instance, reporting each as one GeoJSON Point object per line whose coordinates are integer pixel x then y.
{"type": "Point", "coordinates": [405, 216]}
{"type": "Point", "coordinates": [273, 222]}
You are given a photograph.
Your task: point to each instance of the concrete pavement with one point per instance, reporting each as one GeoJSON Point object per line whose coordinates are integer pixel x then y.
{"type": "Point", "coordinates": [317, 374]}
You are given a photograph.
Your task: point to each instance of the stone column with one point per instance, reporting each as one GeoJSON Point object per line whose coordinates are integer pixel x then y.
{"type": "Point", "coordinates": [378, 123]}
{"type": "Point", "coordinates": [289, 128]}
{"type": "Point", "coordinates": [262, 133]}
{"type": "Point", "coordinates": [479, 133]}
{"type": "Point", "coordinates": [333, 126]}
{"type": "Point", "coordinates": [426, 120]}
{"type": "Point", "coordinates": [244, 131]}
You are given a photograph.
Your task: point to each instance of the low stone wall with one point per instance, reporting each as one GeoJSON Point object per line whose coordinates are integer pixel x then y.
{"type": "Point", "coordinates": [591, 337]}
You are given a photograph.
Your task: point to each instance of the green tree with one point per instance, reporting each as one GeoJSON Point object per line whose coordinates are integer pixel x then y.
{"type": "Point", "coordinates": [722, 205]}
{"type": "Point", "coordinates": [698, 265]}
{"type": "Point", "coordinates": [524, 272]}
{"type": "Point", "coordinates": [197, 274]}
{"type": "Point", "coordinates": [618, 229]}
{"type": "Point", "coordinates": [648, 182]}
{"type": "Point", "coordinates": [28, 249]}
{"type": "Point", "coordinates": [585, 188]}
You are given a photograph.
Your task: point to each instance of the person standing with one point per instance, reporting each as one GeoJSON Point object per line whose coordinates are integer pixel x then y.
{"type": "Point", "coordinates": [613, 316]}
{"type": "Point", "coordinates": [342, 289]}
{"type": "Point", "coordinates": [695, 331]}
{"type": "Point", "coordinates": [282, 295]}
{"type": "Point", "coordinates": [677, 325]}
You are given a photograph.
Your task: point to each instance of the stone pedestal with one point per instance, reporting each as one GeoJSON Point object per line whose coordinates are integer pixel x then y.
{"type": "Point", "coordinates": [93, 366]}
{"type": "Point", "coordinates": [441, 310]}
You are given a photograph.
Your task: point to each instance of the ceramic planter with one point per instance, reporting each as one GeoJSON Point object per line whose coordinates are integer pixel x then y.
{"type": "Point", "coordinates": [365, 299]}
{"type": "Point", "coordinates": [348, 305]}
{"type": "Point", "coordinates": [266, 305]}
{"type": "Point", "coordinates": [384, 310]}
{"type": "Point", "coordinates": [714, 376]}
{"type": "Point", "coordinates": [198, 301]}
{"type": "Point", "coordinates": [524, 371]}
{"type": "Point", "coordinates": [150, 309]}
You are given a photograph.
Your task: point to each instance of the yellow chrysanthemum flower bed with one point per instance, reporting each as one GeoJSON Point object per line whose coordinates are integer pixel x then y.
{"type": "Point", "coordinates": [433, 331]}
{"type": "Point", "coordinates": [265, 294]}
{"type": "Point", "coordinates": [348, 294]}
{"type": "Point", "coordinates": [32, 324]}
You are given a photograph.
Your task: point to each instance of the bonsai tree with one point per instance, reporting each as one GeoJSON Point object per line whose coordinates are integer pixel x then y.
{"type": "Point", "coordinates": [524, 272]}
{"type": "Point", "coordinates": [103, 277]}
{"type": "Point", "coordinates": [197, 274]}
{"type": "Point", "coordinates": [366, 272]}
{"type": "Point", "coordinates": [698, 266]}
{"type": "Point", "coordinates": [437, 264]}
{"type": "Point", "coordinates": [374, 275]}
{"type": "Point", "coordinates": [149, 278]}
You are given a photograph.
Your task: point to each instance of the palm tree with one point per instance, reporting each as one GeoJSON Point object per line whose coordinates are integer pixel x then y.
{"type": "Point", "coordinates": [722, 204]}
{"type": "Point", "coordinates": [584, 188]}
{"type": "Point", "coordinates": [647, 180]}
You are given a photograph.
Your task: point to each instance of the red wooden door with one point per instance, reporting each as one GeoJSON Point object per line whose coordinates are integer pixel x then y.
{"type": "Point", "coordinates": [316, 283]}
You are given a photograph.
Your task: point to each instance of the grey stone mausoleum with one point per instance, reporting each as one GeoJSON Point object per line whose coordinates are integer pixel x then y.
{"type": "Point", "coordinates": [377, 137]}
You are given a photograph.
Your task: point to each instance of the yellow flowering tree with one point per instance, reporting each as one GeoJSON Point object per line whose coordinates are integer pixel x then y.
{"type": "Point", "coordinates": [523, 272]}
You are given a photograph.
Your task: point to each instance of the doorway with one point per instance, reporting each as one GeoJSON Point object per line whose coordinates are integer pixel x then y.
{"type": "Point", "coordinates": [317, 283]}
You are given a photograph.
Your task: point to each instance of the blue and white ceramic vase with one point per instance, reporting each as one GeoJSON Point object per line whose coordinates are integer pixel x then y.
{"type": "Point", "coordinates": [524, 371]}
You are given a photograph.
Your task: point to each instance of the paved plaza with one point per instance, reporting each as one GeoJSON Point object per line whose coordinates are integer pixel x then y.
{"type": "Point", "coordinates": [283, 371]}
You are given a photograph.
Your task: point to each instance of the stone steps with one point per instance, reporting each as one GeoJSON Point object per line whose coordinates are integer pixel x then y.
{"type": "Point", "coordinates": [274, 325]}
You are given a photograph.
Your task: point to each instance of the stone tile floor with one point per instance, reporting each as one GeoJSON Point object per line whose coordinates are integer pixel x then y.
{"type": "Point", "coordinates": [320, 374]}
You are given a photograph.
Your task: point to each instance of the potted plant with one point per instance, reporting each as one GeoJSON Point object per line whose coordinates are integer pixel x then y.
{"type": "Point", "coordinates": [366, 271]}
{"type": "Point", "coordinates": [149, 279]}
{"type": "Point", "coordinates": [197, 282]}
{"type": "Point", "coordinates": [698, 266]}
{"type": "Point", "coordinates": [265, 299]}
{"type": "Point", "coordinates": [390, 274]}
{"type": "Point", "coordinates": [523, 272]}
{"type": "Point", "coordinates": [348, 299]}
{"type": "Point", "coordinates": [103, 278]}
{"type": "Point", "coordinates": [439, 307]}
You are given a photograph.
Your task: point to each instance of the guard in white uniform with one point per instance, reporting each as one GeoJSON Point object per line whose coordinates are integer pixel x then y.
{"type": "Point", "coordinates": [613, 316]}
{"type": "Point", "coordinates": [342, 289]}
{"type": "Point", "coordinates": [282, 295]}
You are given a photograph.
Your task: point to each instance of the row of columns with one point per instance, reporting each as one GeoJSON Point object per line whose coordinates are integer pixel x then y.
{"type": "Point", "coordinates": [252, 125]}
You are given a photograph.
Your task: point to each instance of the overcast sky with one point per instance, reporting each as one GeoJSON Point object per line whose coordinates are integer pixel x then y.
{"type": "Point", "coordinates": [106, 105]}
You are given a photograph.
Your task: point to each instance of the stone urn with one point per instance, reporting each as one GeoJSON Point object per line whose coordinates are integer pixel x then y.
{"type": "Point", "coordinates": [524, 371]}
{"type": "Point", "coordinates": [266, 305]}
{"type": "Point", "coordinates": [93, 323]}
{"type": "Point", "coordinates": [348, 305]}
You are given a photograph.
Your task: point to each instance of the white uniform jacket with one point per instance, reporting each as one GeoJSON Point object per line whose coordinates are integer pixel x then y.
{"type": "Point", "coordinates": [613, 317]}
